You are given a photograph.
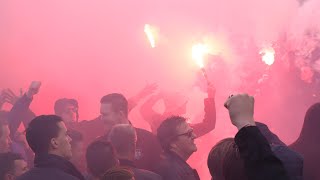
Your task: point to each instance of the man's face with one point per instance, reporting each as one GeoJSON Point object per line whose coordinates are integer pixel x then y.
{"type": "Point", "coordinates": [110, 117]}
{"type": "Point", "coordinates": [20, 167]}
{"type": "Point", "coordinates": [62, 142]}
{"type": "Point", "coordinates": [69, 114]}
{"type": "Point", "coordinates": [185, 139]}
{"type": "Point", "coordinates": [5, 140]}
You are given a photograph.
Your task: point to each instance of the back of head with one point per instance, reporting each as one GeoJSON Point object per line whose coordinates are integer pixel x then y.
{"type": "Point", "coordinates": [40, 132]}
{"type": "Point", "coordinates": [224, 161]}
{"type": "Point", "coordinates": [118, 173]}
{"type": "Point", "coordinates": [7, 163]}
{"type": "Point", "coordinates": [311, 129]}
{"type": "Point", "coordinates": [100, 157]}
{"type": "Point", "coordinates": [123, 138]}
{"type": "Point", "coordinates": [167, 131]}
{"type": "Point", "coordinates": [118, 102]}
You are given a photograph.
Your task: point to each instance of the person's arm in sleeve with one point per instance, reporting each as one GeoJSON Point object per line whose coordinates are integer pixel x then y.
{"type": "Point", "coordinates": [260, 162]}
{"type": "Point", "coordinates": [209, 121]}
{"type": "Point", "coordinates": [146, 91]}
{"type": "Point", "coordinates": [20, 108]}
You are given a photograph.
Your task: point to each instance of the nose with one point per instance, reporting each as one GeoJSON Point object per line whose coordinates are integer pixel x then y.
{"type": "Point", "coordinates": [194, 136]}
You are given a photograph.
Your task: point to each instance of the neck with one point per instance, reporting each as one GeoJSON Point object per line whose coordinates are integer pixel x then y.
{"type": "Point", "coordinates": [57, 154]}
{"type": "Point", "coordinates": [181, 154]}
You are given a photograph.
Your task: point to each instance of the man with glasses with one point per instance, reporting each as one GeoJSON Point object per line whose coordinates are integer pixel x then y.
{"type": "Point", "coordinates": [177, 140]}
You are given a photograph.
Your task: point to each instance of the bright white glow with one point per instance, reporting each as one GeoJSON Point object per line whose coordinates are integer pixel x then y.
{"type": "Point", "coordinates": [198, 52]}
{"type": "Point", "coordinates": [267, 55]}
{"type": "Point", "coordinates": [150, 35]}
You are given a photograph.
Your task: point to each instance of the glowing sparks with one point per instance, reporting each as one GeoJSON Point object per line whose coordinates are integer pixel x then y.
{"type": "Point", "coordinates": [267, 54]}
{"type": "Point", "coordinates": [198, 53]}
{"type": "Point", "coordinates": [150, 35]}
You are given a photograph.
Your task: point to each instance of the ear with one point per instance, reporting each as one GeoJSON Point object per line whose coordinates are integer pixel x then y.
{"type": "Point", "coordinates": [173, 146]}
{"type": "Point", "coordinates": [54, 143]}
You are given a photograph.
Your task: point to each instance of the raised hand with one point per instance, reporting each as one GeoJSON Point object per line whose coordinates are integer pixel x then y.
{"type": "Point", "coordinates": [33, 88]}
{"type": "Point", "coordinates": [241, 109]}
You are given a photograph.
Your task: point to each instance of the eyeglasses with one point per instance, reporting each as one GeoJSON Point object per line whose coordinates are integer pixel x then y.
{"type": "Point", "coordinates": [189, 134]}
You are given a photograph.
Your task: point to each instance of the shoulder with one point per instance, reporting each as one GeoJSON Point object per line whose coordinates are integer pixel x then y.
{"type": "Point", "coordinates": [46, 173]}
{"type": "Point", "coordinates": [145, 174]}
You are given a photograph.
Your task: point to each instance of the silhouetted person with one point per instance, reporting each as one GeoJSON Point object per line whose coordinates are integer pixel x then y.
{"type": "Point", "coordinates": [48, 138]}
{"type": "Point", "coordinates": [100, 158]}
{"type": "Point", "coordinates": [291, 160]}
{"type": "Point", "coordinates": [308, 143]}
{"type": "Point", "coordinates": [124, 138]}
{"type": "Point", "coordinates": [12, 165]}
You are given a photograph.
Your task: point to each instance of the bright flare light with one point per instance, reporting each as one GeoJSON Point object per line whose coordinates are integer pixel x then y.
{"type": "Point", "coordinates": [198, 52]}
{"type": "Point", "coordinates": [267, 55]}
{"type": "Point", "coordinates": [149, 32]}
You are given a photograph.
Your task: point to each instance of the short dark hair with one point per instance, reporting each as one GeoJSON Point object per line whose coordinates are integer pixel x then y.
{"type": "Point", "coordinates": [167, 131]}
{"type": "Point", "coordinates": [118, 102]}
{"type": "Point", "coordinates": [100, 157]}
{"type": "Point", "coordinates": [7, 163]}
{"type": "Point", "coordinates": [118, 173]}
{"type": "Point", "coordinates": [224, 161]}
{"type": "Point", "coordinates": [75, 136]}
{"type": "Point", "coordinates": [60, 105]}
{"type": "Point", "coordinates": [40, 132]}
{"type": "Point", "coordinates": [123, 138]}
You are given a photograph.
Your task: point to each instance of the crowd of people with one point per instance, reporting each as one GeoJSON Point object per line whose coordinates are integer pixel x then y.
{"type": "Point", "coordinates": [109, 147]}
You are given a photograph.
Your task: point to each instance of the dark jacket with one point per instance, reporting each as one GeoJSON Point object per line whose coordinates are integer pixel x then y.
{"type": "Point", "coordinates": [139, 174]}
{"type": "Point", "coordinates": [308, 143]}
{"type": "Point", "coordinates": [172, 167]}
{"type": "Point", "coordinates": [292, 161]}
{"type": "Point", "coordinates": [148, 149]}
{"type": "Point", "coordinates": [259, 160]}
{"type": "Point", "coordinates": [52, 167]}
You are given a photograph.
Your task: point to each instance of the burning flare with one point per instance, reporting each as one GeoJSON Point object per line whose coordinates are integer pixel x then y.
{"type": "Point", "coordinates": [150, 35]}
{"type": "Point", "coordinates": [198, 53]}
{"type": "Point", "coordinates": [267, 55]}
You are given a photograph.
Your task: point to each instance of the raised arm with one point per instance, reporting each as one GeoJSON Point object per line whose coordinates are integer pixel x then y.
{"type": "Point", "coordinates": [209, 121]}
